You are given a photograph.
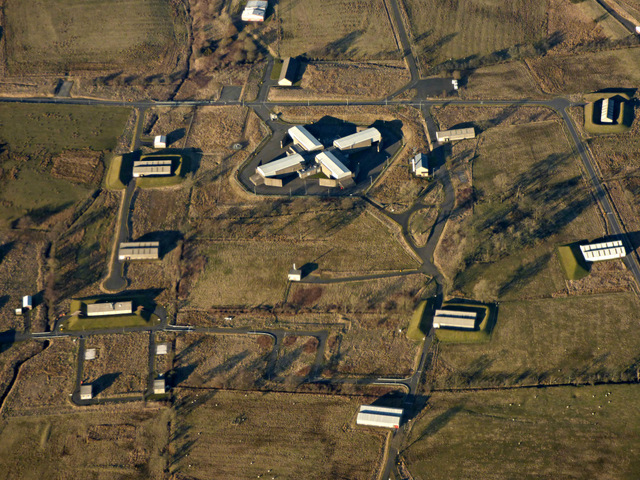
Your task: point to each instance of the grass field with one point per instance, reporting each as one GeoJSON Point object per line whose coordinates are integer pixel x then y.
{"type": "Point", "coordinates": [296, 356]}
{"type": "Point", "coordinates": [68, 35]}
{"type": "Point", "coordinates": [272, 435]}
{"type": "Point", "coordinates": [336, 29]}
{"type": "Point", "coordinates": [622, 122]}
{"type": "Point", "coordinates": [557, 340]}
{"type": "Point", "coordinates": [142, 316]}
{"type": "Point", "coordinates": [572, 262]}
{"type": "Point", "coordinates": [421, 223]}
{"type": "Point", "coordinates": [529, 197]}
{"type": "Point", "coordinates": [470, 29]}
{"type": "Point", "coordinates": [611, 27]}
{"type": "Point", "coordinates": [503, 81]}
{"type": "Point", "coordinates": [569, 432]}
{"type": "Point", "coordinates": [482, 334]}
{"type": "Point", "coordinates": [417, 328]}
{"type": "Point", "coordinates": [123, 443]}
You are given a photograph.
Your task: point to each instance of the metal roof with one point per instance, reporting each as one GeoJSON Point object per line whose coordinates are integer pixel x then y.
{"type": "Point", "coordinates": [454, 318]}
{"type": "Point", "coordinates": [335, 166]}
{"type": "Point", "coordinates": [603, 251]}
{"type": "Point", "coordinates": [277, 166]}
{"type": "Point", "coordinates": [132, 253]}
{"type": "Point", "coordinates": [606, 114]}
{"type": "Point", "coordinates": [349, 141]}
{"type": "Point", "coordinates": [149, 163]}
{"type": "Point", "coordinates": [152, 170]}
{"type": "Point", "coordinates": [459, 132]}
{"type": "Point", "coordinates": [379, 416]}
{"type": "Point", "coordinates": [304, 138]}
{"type": "Point", "coordinates": [109, 308]}
{"type": "Point", "coordinates": [421, 161]}
{"type": "Point", "coordinates": [376, 409]}
{"type": "Point", "coordinates": [139, 244]}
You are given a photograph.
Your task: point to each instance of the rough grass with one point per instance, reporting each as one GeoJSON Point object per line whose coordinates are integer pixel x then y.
{"type": "Point", "coordinates": [123, 443]}
{"type": "Point", "coordinates": [139, 318]}
{"type": "Point", "coordinates": [510, 80]}
{"type": "Point", "coordinates": [273, 435]}
{"type": "Point", "coordinates": [611, 27]}
{"type": "Point", "coordinates": [336, 29]}
{"type": "Point", "coordinates": [72, 35]}
{"type": "Point", "coordinates": [572, 262]}
{"type": "Point", "coordinates": [568, 432]}
{"type": "Point", "coordinates": [416, 330]}
{"type": "Point", "coordinates": [549, 341]}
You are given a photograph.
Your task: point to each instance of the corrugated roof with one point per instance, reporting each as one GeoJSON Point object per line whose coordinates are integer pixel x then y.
{"type": "Point", "coordinates": [454, 318]}
{"type": "Point", "coordinates": [376, 409]}
{"type": "Point", "coordinates": [378, 420]}
{"type": "Point", "coordinates": [149, 163]}
{"type": "Point", "coordinates": [274, 168]}
{"type": "Point", "coordinates": [152, 170]}
{"type": "Point", "coordinates": [304, 138]}
{"type": "Point", "coordinates": [139, 244]}
{"type": "Point", "coordinates": [603, 251]}
{"type": "Point", "coordinates": [117, 307]}
{"type": "Point", "coordinates": [335, 166]}
{"type": "Point", "coordinates": [459, 132]}
{"type": "Point", "coordinates": [350, 140]}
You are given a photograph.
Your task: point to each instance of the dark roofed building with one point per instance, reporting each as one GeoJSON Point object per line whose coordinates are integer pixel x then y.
{"type": "Point", "coordinates": [288, 72]}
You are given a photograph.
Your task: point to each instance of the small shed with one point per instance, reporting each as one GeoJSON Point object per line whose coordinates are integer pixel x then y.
{"type": "Point", "coordinates": [18, 311]}
{"type": "Point", "coordinates": [295, 274]}
{"type": "Point", "coordinates": [90, 354]}
{"type": "Point", "coordinates": [420, 165]}
{"type": "Point", "coordinates": [27, 302]}
{"type": "Point", "coordinates": [162, 349]}
{"type": "Point", "coordinates": [159, 386]}
{"type": "Point", "coordinates": [86, 392]}
{"type": "Point", "coordinates": [385, 417]}
{"type": "Point", "coordinates": [160, 141]}
{"type": "Point", "coordinates": [288, 72]}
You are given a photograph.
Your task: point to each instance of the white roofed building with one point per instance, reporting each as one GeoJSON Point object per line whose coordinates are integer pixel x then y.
{"type": "Point", "coordinates": [457, 134]}
{"type": "Point", "coordinates": [86, 392]}
{"type": "Point", "coordinates": [332, 167]}
{"type": "Point", "coordinates": [145, 168]}
{"type": "Point", "coordinates": [116, 308]}
{"type": "Point", "coordinates": [289, 164]}
{"type": "Point", "coordinates": [455, 319]}
{"type": "Point", "coordinates": [302, 137]}
{"type": "Point", "coordinates": [362, 139]}
{"type": "Point", "coordinates": [160, 141]}
{"type": "Point", "coordinates": [608, 107]}
{"type": "Point", "coordinates": [139, 251]}
{"type": "Point", "coordinates": [420, 165]}
{"type": "Point", "coordinates": [255, 11]}
{"type": "Point", "coordinates": [603, 251]}
{"type": "Point", "coordinates": [385, 417]}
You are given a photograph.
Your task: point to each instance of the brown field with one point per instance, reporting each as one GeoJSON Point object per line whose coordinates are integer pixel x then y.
{"type": "Point", "coordinates": [376, 344]}
{"type": "Point", "coordinates": [79, 166]}
{"type": "Point", "coordinates": [568, 432]}
{"type": "Point", "coordinates": [151, 276]}
{"type": "Point", "coordinates": [121, 366]}
{"type": "Point", "coordinates": [510, 80]}
{"type": "Point", "coordinates": [579, 339]}
{"type": "Point", "coordinates": [140, 37]}
{"type": "Point", "coordinates": [273, 435]}
{"type": "Point", "coordinates": [126, 443]}
{"type": "Point", "coordinates": [11, 357]}
{"type": "Point", "coordinates": [585, 72]}
{"type": "Point", "coordinates": [159, 211]}
{"type": "Point", "coordinates": [483, 118]}
{"type": "Point", "coordinates": [571, 28]}
{"type": "Point", "coordinates": [45, 382]}
{"type": "Point", "coordinates": [611, 27]}
{"type": "Point", "coordinates": [398, 188]}
{"type": "Point", "coordinates": [220, 361]}
{"type": "Point", "coordinates": [296, 356]}
{"type": "Point", "coordinates": [336, 29]}
{"type": "Point", "coordinates": [344, 81]}
{"type": "Point", "coordinates": [421, 223]}
{"type": "Point", "coordinates": [523, 214]}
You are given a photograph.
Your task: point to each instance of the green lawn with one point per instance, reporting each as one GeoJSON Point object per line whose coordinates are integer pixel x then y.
{"type": "Point", "coordinates": [481, 335]}
{"type": "Point", "coordinates": [417, 327]}
{"type": "Point", "coordinates": [140, 318]}
{"type": "Point", "coordinates": [183, 163]}
{"type": "Point", "coordinates": [572, 261]}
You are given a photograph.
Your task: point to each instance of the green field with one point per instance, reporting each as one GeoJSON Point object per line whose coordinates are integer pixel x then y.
{"type": "Point", "coordinates": [72, 35]}
{"type": "Point", "coordinates": [555, 340]}
{"type": "Point", "coordinates": [417, 329]}
{"type": "Point", "coordinates": [572, 262]}
{"type": "Point", "coordinates": [140, 318]}
{"type": "Point", "coordinates": [482, 334]}
{"type": "Point", "coordinates": [553, 433]}
{"type": "Point", "coordinates": [120, 167]}
{"type": "Point", "coordinates": [468, 30]}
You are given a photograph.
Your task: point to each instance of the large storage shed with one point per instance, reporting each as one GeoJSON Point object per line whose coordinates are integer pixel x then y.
{"type": "Point", "coordinates": [145, 168]}
{"type": "Point", "coordinates": [453, 135]}
{"type": "Point", "coordinates": [362, 139]}
{"type": "Point", "coordinates": [332, 166]}
{"type": "Point", "coordinates": [160, 141]}
{"type": "Point", "coordinates": [385, 417]}
{"type": "Point", "coordinates": [603, 251]}
{"type": "Point", "coordinates": [302, 137]}
{"type": "Point", "coordinates": [116, 308]}
{"type": "Point", "coordinates": [608, 107]}
{"type": "Point", "coordinates": [139, 251]}
{"type": "Point", "coordinates": [455, 319]}
{"type": "Point", "coordinates": [289, 164]}
{"type": "Point", "coordinates": [288, 72]}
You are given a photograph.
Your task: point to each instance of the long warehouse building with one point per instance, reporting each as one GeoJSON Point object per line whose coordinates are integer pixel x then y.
{"type": "Point", "coordinates": [145, 168]}
{"type": "Point", "coordinates": [139, 251]}
{"type": "Point", "coordinates": [608, 107]}
{"type": "Point", "coordinates": [116, 308]}
{"type": "Point", "coordinates": [289, 164]}
{"type": "Point", "coordinates": [332, 166]}
{"type": "Point", "coordinates": [457, 134]}
{"type": "Point", "coordinates": [455, 319]}
{"type": "Point", "coordinates": [603, 251]}
{"type": "Point", "coordinates": [362, 139]}
{"type": "Point", "coordinates": [385, 417]}
{"type": "Point", "coordinates": [302, 137]}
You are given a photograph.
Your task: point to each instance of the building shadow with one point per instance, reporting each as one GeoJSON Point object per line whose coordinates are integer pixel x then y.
{"type": "Point", "coordinates": [5, 248]}
{"type": "Point", "coordinates": [103, 382]}
{"type": "Point", "coordinates": [176, 135]}
{"type": "Point", "coordinates": [308, 268]}
{"type": "Point", "coordinates": [168, 239]}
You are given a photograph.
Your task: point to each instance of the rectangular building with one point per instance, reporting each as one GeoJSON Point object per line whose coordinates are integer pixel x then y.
{"type": "Point", "coordinates": [332, 167]}
{"type": "Point", "coordinates": [362, 139]}
{"type": "Point", "coordinates": [606, 114]}
{"type": "Point", "coordinates": [302, 137]}
{"type": "Point", "coordinates": [160, 141]}
{"type": "Point", "coordinates": [90, 354]}
{"type": "Point", "coordinates": [455, 319]}
{"type": "Point", "coordinates": [603, 251]}
{"type": "Point", "coordinates": [288, 72]}
{"type": "Point", "coordinates": [27, 302]}
{"type": "Point", "coordinates": [420, 165]}
{"type": "Point", "coordinates": [159, 386]}
{"type": "Point", "coordinates": [385, 417]}
{"type": "Point", "coordinates": [162, 349]}
{"type": "Point", "coordinates": [116, 308]}
{"type": "Point", "coordinates": [255, 11]}
{"type": "Point", "coordinates": [145, 168]}
{"type": "Point", "coordinates": [290, 164]}
{"type": "Point", "coordinates": [86, 392]}
{"type": "Point", "coordinates": [295, 274]}
{"type": "Point", "coordinates": [139, 251]}
{"type": "Point", "coordinates": [453, 135]}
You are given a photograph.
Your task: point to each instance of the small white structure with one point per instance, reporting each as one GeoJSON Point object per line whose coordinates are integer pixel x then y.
{"type": "Point", "coordinates": [86, 392]}
{"type": "Point", "coordinates": [606, 113]}
{"type": "Point", "coordinates": [90, 354]}
{"type": "Point", "coordinates": [362, 139]}
{"type": "Point", "coordinates": [162, 349]}
{"type": "Point", "coordinates": [454, 82]}
{"type": "Point", "coordinates": [454, 319]}
{"type": "Point", "coordinates": [159, 386]}
{"type": "Point", "coordinates": [160, 141]}
{"type": "Point", "coordinates": [302, 137]}
{"type": "Point", "coordinates": [295, 275]}
{"type": "Point", "coordinates": [385, 417]}
{"type": "Point", "coordinates": [27, 302]}
{"type": "Point", "coordinates": [457, 134]}
{"type": "Point", "coordinates": [603, 251]}
{"type": "Point", "coordinates": [145, 168]}
{"type": "Point", "coordinates": [139, 251]}
{"type": "Point", "coordinates": [117, 308]}
{"type": "Point", "coordinates": [255, 11]}
{"type": "Point", "coordinates": [638, 29]}
{"type": "Point", "coordinates": [420, 165]}
{"type": "Point", "coordinates": [290, 164]}
{"type": "Point", "coordinates": [332, 167]}
{"type": "Point", "coordinates": [18, 311]}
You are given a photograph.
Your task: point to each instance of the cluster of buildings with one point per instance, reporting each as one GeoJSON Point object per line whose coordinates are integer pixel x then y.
{"type": "Point", "coordinates": [255, 11]}
{"type": "Point", "coordinates": [308, 157]}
